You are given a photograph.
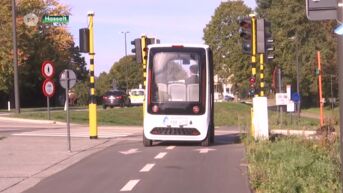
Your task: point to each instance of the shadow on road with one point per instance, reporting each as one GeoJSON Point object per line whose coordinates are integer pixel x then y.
{"type": "Point", "coordinates": [224, 139]}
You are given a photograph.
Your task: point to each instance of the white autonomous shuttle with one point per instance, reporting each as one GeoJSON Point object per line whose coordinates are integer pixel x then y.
{"type": "Point", "coordinates": [179, 94]}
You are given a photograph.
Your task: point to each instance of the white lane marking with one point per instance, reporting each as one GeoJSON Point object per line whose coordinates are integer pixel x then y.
{"type": "Point", "coordinates": [129, 186]}
{"type": "Point", "coordinates": [204, 150]}
{"type": "Point", "coordinates": [170, 147]}
{"type": "Point", "coordinates": [160, 155]}
{"type": "Point", "coordinates": [147, 168]}
{"type": "Point", "coordinates": [130, 151]}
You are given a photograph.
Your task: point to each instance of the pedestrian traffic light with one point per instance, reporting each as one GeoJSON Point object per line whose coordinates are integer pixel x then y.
{"type": "Point", "coordinates": [264, 38]}
{"type": "Point", "coordinates": [245, 32]}
{"type": "Point", "coordinates": [84, 40]}
{"type": "Point", "coordinates": [137, 50]}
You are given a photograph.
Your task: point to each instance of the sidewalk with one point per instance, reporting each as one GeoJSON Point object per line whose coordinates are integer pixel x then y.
{"type": "Point", "coordinates": [25, 160]}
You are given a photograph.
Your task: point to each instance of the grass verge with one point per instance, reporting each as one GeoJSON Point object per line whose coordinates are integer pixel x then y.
{"type": "Point", "coordinates": [294, 165]}
{"type": "Point", "coordinates": [226, 114]}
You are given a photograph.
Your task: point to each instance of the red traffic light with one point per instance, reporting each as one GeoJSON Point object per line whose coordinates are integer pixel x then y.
{"type": "Point", "coordinates": [252, 80]}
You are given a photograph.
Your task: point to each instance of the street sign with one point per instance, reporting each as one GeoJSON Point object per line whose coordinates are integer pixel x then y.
{"type": "Point", "coordinates": [48, 70]}
{"type": "Point", "coordinates": [30, 19]}
{"type": "Point", "coordinates": [321, 9]}
{"type": "Point", "coordinates": [67, 76]}
{"type": "Point", "coordinates": [55, 19]}
{"type": "Point", "coordinates": [48, 88]}
{"type": "Point", "coordinates": [281, 99]}
{"type": "Point", "coordinates": [295, 97]}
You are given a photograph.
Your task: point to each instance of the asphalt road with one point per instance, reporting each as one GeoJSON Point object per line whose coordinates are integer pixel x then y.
{"type": "Point", "coordinates": [166, 167]}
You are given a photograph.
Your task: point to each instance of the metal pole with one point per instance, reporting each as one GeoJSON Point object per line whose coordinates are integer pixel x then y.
{"type": "Point", "coordinates": [321, 102]}
{"type": "Point", "coordinates": [48, 106]}
{"type": "Point", "coordinates": [340, 82]}
{"type": "Point", "coordinates": [331, 91]}
{"type": "Point", "coordinates": [298, 73]}
{"type": "Point", "coordinates": [280, 91]}
{"type": "Point", "coordinates": [126, 71]}
{"type": "Point", "coordinates": [15, 59]}
{"type": "Point", "coordinates": [67, 107]}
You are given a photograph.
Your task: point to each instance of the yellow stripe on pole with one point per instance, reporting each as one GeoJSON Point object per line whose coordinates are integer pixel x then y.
{"type": "Point", "coordinates": [93, 131]}
{"type": "Point", "coordinates": [253, 71]}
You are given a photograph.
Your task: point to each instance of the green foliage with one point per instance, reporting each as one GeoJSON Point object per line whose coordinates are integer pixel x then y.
{"type": "Point", "coordinates": [232, 114]}
{"type": "Point", "coordinates": [36, 44]}
{"type": "Point", "coordinates": [81, 90]}
{"type": "Point", "coordinates": [103, 84]}
{"type": "Point", "coordinates": [295, 36]}
{"type": "Point", "coordinates": [221, 34]}
{"type": "Point", "coordinates": [293, 165]}
{"type": "Point", "coordinates": [127, 65]}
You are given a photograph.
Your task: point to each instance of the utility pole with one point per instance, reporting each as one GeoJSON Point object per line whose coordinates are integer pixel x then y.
{"type": "Point", "coordinates": [340, 79]}
{"type": "Point", "coordinates": [126, 73]}
{"type": "Point", "coordinates": [15, 59]}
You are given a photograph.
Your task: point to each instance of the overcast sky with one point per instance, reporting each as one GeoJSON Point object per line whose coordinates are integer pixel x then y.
{"type": "Point", "coordinates": [177, 21]}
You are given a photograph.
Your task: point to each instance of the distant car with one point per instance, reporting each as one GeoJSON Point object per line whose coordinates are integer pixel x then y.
{"type": "Point", "coordinates": [229, 97]}
{"type": "Point", "coordinates": [115, 98]}
{"type": "Point", "coordinates": [137, 96]}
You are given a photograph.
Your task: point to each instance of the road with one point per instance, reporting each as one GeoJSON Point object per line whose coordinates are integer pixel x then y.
{"type": "Point", "coordinates": [166, 167]}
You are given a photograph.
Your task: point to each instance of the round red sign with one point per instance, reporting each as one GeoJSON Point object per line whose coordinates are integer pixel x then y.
{"type": "Point", "coordinates": [48, 69]}
{"type": "Point", "coordinates": [48, 88]}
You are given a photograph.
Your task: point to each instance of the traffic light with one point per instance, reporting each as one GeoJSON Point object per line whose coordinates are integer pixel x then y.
{"type": "Point", "coordinates": [84, 40]}
{"type": "Point", "coordinates": [252, 83]}
{"type": "Point", "coordinates": [264, 38]}
{"type": "Point", "coordinates": [145, 42]}
{"type": "Point", "coordinates": [137, 49]}
{"type": "Point", "coordinates": [246, 33]}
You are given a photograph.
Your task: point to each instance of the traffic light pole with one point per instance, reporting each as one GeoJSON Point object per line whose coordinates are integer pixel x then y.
{"type": "Point", "coordinates": [261, 75]}
{"type": "Point", "coordinates": [93, 130]}
{"type": "Point", "coordinates": [253, 47]}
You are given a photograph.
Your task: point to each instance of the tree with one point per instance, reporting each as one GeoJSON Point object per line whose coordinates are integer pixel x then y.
{"type": "Point", "coordinates": [221, 34]}
{"type": "Point", "coordinates": [294, 33]}
{"type": "Point", "coordinates": [36, 44]}
{"type": "Point", "coordinates": [134, 72]}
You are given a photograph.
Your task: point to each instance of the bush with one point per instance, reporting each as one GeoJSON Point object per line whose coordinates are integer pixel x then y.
{"type": "Point", "coordinates": [294, 165]}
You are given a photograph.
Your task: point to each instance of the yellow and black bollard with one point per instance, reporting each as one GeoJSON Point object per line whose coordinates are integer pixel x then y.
{"type": "Point", "coordinates": [93, 129]}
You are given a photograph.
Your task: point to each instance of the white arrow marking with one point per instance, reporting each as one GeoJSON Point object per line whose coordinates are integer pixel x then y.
{"type": "Point", "coordinates": [130, 151]}
{"type": "Point", "coordinates": [204, 150]}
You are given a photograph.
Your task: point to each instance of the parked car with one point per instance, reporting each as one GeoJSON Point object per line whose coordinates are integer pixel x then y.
{"type": "Point", "coordinates": [137, 96]}
{"type": "Point", "coordinates": [115, 98]}
{"type": "Point", "coordinates": [229, 97]}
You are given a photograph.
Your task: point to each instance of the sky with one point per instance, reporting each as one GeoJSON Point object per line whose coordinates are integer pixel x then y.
{"type": "Point", "coordinates": [176, 21]}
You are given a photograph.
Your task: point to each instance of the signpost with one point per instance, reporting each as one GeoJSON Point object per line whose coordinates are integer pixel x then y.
{"type": "Point", "coordinates": [67, 80]}
{"type": "Point", "coordinates": [48, 71]}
